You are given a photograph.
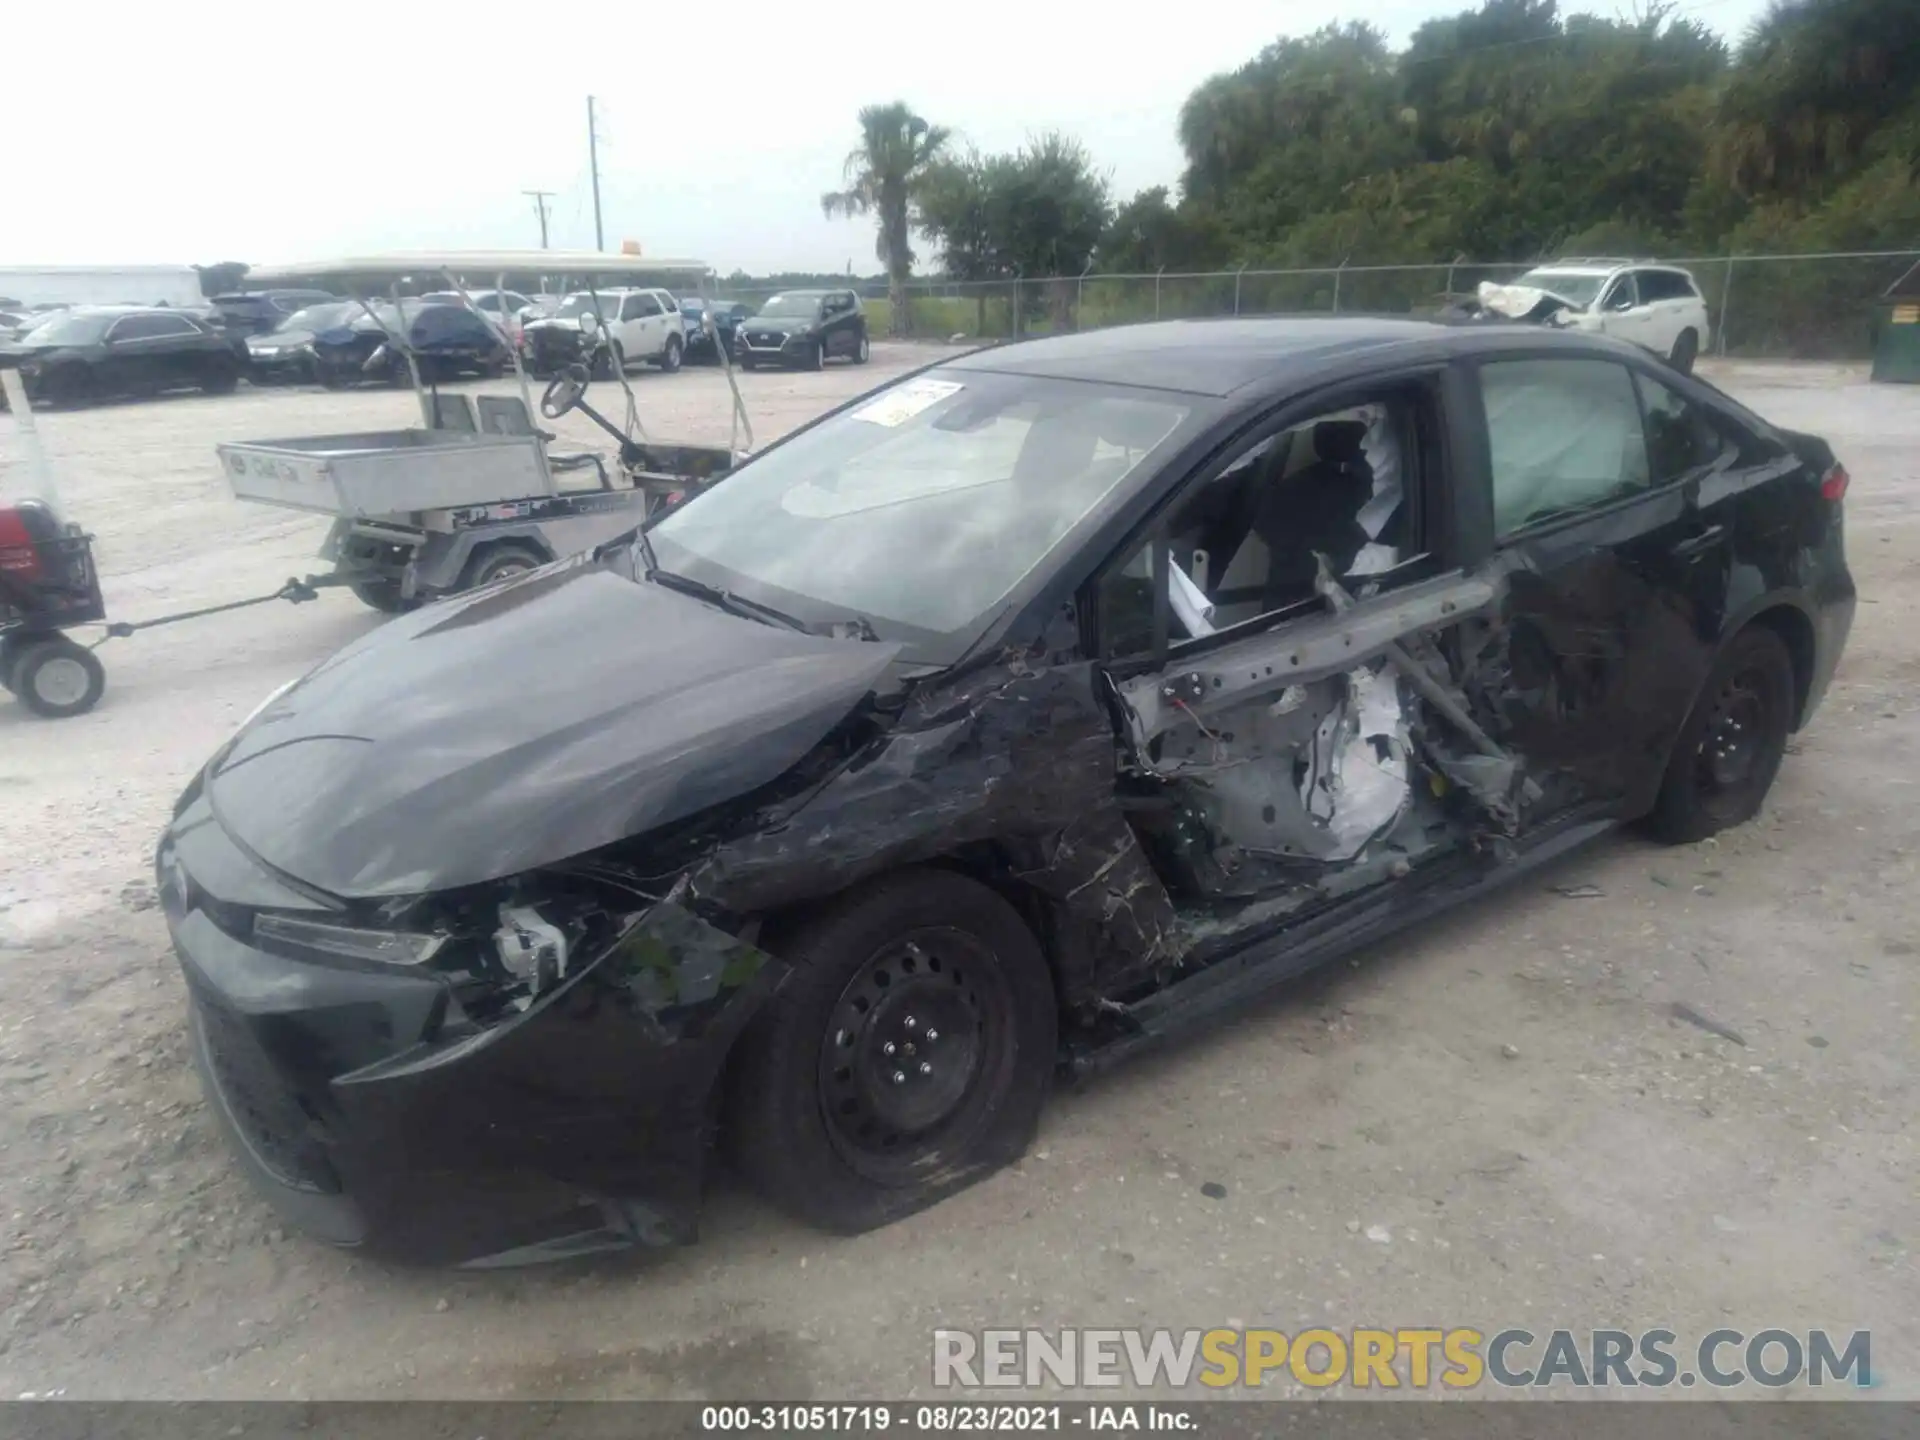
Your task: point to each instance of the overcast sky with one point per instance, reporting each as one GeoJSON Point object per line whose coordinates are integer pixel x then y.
{"type": "Point", "coordinates": [198, 131]}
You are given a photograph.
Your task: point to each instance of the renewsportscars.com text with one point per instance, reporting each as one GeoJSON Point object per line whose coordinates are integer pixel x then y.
{"type": "Point", "coordinates": [1411, 1358]}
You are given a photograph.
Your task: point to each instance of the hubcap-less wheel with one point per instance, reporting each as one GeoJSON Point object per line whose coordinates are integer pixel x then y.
{"type": "Point", "coordinates": [1730, 750]}
{"type": "Point", "coordinates": [864, 353]}
{"type": "Point", "coordinates": [910, 1039]}
{"type": "Point", "coordinates": [61, 681]}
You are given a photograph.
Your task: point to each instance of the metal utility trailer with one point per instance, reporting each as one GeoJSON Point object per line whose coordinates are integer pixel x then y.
{"type": "Point", "coordinates": [475, 495]}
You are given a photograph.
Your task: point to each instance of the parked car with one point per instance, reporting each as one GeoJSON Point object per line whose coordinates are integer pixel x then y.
{"type": "Point", "coordinates": [285, 354]}
{"type": "Point", "coordinates": [643, 325]}
{"type": "Point", "coordinates": [255, 312]}
{"type": "Point", "coordinates": [806, 328]}
{"type": "Point", "coordinates": [1038, 706]}
{"type": "Point", "coordinates": [727, 318]}
{"type": "Point", "coordinates": [449, 340]}
{"type": "Point", "coordinates": [94, 352]}
{"type": "Point", "coordinates": [1657, 307]}
{"type": "Point", "coordinates": [502, 307]}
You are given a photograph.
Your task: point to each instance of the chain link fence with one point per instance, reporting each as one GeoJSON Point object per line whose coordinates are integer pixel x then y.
{"type": "Point", "coordinates": [1805, 307]}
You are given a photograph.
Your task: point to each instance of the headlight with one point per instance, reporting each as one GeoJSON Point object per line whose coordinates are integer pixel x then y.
{"type": "Point", "coordinates": [313, 939]}
{"type": "Point", "coordinates": [530, 946]}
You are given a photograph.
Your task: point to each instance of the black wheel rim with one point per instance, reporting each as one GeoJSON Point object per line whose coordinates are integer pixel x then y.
{"type": "Point", "coordinates": [1739, 731]}
{"type": "Point", "coordinates": [914, 1049]}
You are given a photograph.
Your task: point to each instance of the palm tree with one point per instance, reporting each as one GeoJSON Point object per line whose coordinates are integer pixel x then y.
{"type": "Point", "coordinates": [883, 174]}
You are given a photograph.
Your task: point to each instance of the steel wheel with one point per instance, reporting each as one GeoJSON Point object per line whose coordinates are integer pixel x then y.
{"type": "Point", "coordinates": [926, 959]}
{"type": "Point", "coordinates": [1730, 750]}
{"type": "Point", "coordinates": [1726, 755]}
{"type": "Point", "coordinates": [907, 1045]}
{"type": "Point", "coordinates": [58, 679]}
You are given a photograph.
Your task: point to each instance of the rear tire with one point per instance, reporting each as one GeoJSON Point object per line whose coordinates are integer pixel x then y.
{"type": "Point", "coordinates": [907, 1055]}
{"type": "Point", "coordinates": [1729, 750]}
{"type": "Point", "coordinates": [1685, 350]}
{"type": "Point", "coordinates": [222, 376]}
{"type": "Point", "coordinates": [57, 678]}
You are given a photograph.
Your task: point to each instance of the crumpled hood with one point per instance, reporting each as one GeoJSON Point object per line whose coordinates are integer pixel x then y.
{"type": "Point", "coordinates": [524, 724]}
{"type": "Point", "coordinates": [1522, 302]}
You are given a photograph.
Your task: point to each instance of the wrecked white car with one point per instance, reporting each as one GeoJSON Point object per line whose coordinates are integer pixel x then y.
{"type": "Point", "coordinates": [1011, 718]}
{"type": "Point", "coordinates": [1657, 307]}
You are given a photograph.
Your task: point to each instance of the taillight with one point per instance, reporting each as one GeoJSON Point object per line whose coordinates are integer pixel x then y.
{"type": "Point", "coordinates": [1833, 484]}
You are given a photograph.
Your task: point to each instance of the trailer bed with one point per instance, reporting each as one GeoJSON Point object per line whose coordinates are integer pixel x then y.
{"type": "Point", "coordinates": [388, 472]}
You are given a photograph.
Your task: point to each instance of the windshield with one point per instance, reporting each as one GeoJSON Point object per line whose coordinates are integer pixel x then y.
{"type": "Point", "coordinates": [316, 318]}
{"type": "Point", "coordinates": [1579, 287]}
{"type": "Point", "coordinates": [799, 305]}
{"type": "Point", "coordinates": [585, 303]}
{"type": "Point", "coordinates": [921, 509]}
{"type": "Point", "coordinates": [70, 330]}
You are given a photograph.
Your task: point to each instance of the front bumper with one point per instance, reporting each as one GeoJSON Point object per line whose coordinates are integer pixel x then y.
{"type": "Point", "coordinates": [369, 1115]}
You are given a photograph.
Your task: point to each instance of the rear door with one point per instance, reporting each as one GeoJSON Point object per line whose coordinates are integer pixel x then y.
{"type": "Point", "coordinates": [132, 359]}
{"type": "Point", "coordinates": [1603, 634]}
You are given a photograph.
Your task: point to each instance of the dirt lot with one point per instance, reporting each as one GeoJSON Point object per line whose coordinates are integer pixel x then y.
{"type": "Point", "coordinates": [1494, 1121]}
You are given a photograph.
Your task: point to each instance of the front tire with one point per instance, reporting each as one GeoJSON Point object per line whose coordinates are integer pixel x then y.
{"type": "Point", "coordinates": [57, 678]}
{"type": "Point", "coordinates": [907, 1055]}
{"type": "Point", "coordinates": [747, 362]}
{"type": "Point", "coordinates": [863, 352]}
{"type": "Point", "coordinates": [1685, 350]}
{"type": "Point", "coordinates": [816, 357]}
{"type": "Point", "coordinates": [1729, 750]}
{"type": "Point", "coordinates": [671, 356]}
{"type": "Point", "coordinates": [381, 595]}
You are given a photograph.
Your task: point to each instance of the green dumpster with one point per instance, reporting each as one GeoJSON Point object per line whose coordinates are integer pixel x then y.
{"type": "Point", "coordinates": [1896, 346]}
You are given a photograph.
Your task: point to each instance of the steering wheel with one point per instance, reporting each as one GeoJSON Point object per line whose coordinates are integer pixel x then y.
{"type": "Point", "coordinates": [564, 392]}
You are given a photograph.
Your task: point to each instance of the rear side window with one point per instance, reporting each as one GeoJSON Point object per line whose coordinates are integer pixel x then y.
{"type": "Point", "coordinates": [1682, 436]}
{"type": "Point", "coordinates": [1564, 436]}
{"type": "Point", "coordinates": [1666, 285]}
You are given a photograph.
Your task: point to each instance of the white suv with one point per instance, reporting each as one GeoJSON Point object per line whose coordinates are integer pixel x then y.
{"type": "Point", "coordinates": [1655, 306]}
{"type": "Point", "coordinates": [643, 324]}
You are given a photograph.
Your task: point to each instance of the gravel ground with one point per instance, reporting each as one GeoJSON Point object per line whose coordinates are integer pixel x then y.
{"type": "Point", "coordinates": [1495, 1120]}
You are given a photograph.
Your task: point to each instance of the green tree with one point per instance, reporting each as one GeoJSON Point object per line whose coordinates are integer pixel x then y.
{"type": "Point", "coordinates": [884, 175]}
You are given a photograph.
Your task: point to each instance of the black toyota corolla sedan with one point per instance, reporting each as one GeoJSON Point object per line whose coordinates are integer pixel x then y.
{"type": "Point", "coordinates": [1004, 721]}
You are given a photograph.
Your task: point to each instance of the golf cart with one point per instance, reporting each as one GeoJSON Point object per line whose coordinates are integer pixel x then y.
{"type": "Point", "coordinates": [479, 491]}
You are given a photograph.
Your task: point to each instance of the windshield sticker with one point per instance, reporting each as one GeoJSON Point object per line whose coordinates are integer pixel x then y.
{"type": "Point", "coordinates": [902, 403]}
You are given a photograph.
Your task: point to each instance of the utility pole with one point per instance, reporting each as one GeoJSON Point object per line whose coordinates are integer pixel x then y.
{"type": "Point", "coordinates": [540, 198]}
{"type": "Point", "coordinates": [593, 163]}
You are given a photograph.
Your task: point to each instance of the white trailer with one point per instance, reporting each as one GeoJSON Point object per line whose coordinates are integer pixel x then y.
{"type": "Point", "coordinates": [101, 284]}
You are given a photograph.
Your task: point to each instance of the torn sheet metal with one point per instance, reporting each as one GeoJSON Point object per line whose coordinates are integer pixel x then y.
{"type": "Point", "coordinates": [1317, 774]}
{"type": "Point", "coordinates": [1017, 764]}
{"type": "Point", "coordinates": [1307, 650]}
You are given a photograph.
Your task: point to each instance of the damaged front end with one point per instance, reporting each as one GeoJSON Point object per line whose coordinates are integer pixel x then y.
{"type": "Point", "coordinates": [515, 1072]}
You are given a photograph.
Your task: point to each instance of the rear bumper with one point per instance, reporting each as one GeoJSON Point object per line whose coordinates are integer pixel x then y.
{"type": "Point", "coordinates": [372, 1115]}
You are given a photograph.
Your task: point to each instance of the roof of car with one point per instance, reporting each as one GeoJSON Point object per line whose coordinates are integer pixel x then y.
{"type": "Point", "coordinates": [1205, 357]}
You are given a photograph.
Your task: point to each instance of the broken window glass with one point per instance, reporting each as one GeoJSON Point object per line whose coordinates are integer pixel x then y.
{"type": "Point", "coordinates": [1247, 542]}
{"type": "Point", "coordinates": [1564, 435]}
